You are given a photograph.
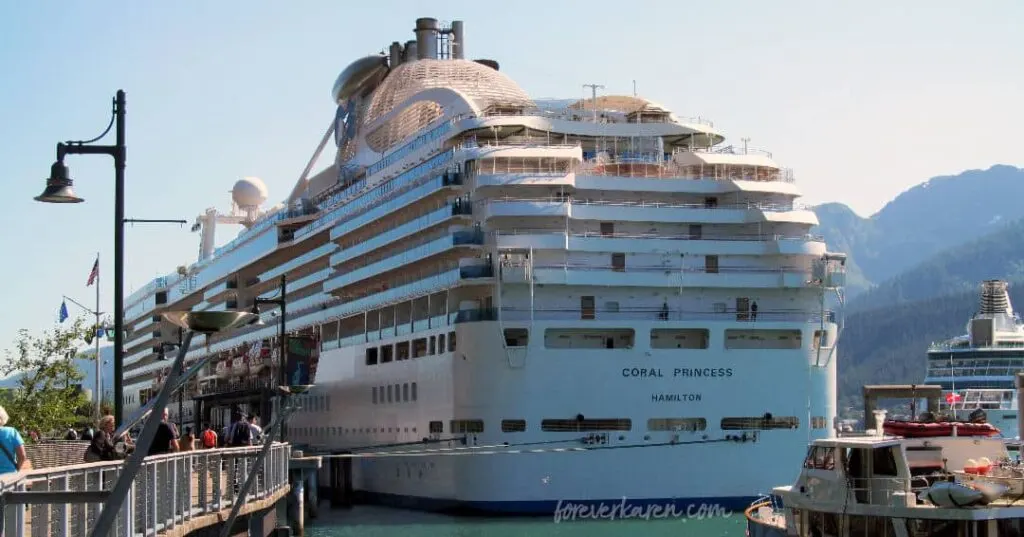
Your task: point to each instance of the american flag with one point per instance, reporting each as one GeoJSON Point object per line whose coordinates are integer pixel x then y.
{"type": "Point", "coordinates": [95, 273]}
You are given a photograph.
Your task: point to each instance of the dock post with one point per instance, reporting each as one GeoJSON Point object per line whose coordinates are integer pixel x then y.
{"type": "Point", "coordinates": [312, 493]}
{"type": "Point", "coordinates": [296, 517]}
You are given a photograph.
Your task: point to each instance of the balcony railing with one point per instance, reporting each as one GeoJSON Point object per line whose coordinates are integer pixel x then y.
{"type": "Point", "coordinates": [644, 314]}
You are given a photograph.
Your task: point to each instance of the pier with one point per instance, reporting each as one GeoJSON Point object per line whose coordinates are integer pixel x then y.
{"type": "Point", "coordinates": [189, 493]}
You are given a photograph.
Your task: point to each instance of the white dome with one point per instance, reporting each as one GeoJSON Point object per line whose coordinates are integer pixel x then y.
{"type": "Point", "coordinates": [249, 192]}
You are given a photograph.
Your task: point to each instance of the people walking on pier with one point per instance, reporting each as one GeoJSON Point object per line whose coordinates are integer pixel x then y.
{"type": "Point", "coordinates": [240, 433]}
{"type": "Point", "coordinates": [188, 440]}
{"type": "Point", "coordinates": [104, 446]}
{"type": "Point", "coordinates": [209, 437]}
{"type": "Point", "coordinates": [166, 439]}
{"type": "Point", "coordinates": [13, 458]}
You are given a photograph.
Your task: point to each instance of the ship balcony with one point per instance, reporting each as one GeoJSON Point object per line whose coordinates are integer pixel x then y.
{"type": "Point", "coordinates": [460, 239]}
{"type": "Point", "coordinates": [362, 210]}
{"type": "Point", "coordinates": [273, 274]}
{"type": "Point", "coordinates": [658, 276]}
{"type": "Point", "coordinates": [753, 245]}
{"type": "Point", "coordinates": [508, 314]}
{"type": "Point", "coordinates": [301, 283]}
{"type": "Point", "coordinates": [646, 211]}
{"type": "Point", "coordinates": [403, 231]}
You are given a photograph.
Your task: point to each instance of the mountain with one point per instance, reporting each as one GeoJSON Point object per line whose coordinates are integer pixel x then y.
{"type": "Point", "coordinates": [87, 366]}
{"type": "Point", "coordinates": [931, 217]}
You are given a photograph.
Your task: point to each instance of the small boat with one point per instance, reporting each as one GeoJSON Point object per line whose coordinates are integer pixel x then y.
{"type": "Point", "coordinates": [918, 429]}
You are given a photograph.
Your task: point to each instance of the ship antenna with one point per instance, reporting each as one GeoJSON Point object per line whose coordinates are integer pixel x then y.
{"type": "Point", "coordinates": [593, 96]}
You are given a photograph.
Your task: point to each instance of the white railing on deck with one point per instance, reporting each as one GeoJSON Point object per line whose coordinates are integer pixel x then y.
{"type": "Point", "coordinates": [168, 492]}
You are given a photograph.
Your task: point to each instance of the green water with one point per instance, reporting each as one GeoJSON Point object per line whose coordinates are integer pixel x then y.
{"type": "Point", "coordinates": [368, 521]}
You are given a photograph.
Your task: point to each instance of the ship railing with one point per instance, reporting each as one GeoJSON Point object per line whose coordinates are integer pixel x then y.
{"type": "Point", "coordinates": [662, 268]}
{"type": "Point", "coordinates": [761, 206]}
{"type": "Point", "coordinates": [608, 116]}
{"type": "Point", "coordinates": [639, 314]}
{"type": "Point", "coordinates": [667, 169]}
{"type": "Point", "coordinates": [733, 150]}
{"type": "Point", "coordinates": [752, 237]}
{"type": "Point", "coordinates": [885, 490]}
{"type": "Point", "coordinates": [490, 142]}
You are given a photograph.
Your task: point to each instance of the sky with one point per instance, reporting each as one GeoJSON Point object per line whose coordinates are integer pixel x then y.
{"type": "Point", "coordinates": [862, 99]}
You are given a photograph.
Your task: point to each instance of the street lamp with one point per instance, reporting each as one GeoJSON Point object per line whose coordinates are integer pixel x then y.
{"type": "Point", "coordinates": [167, 346]}
{"type": "Point", "coordinates": [59, 190]}
{"type": "Point", "coordinates": [280, 302]}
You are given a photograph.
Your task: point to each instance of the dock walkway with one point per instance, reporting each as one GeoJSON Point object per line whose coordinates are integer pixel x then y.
{"type": "Point", "coordinates": [173, 495]}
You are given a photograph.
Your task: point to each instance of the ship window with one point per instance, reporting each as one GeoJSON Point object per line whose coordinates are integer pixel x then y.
{"type": "Point", "coordinates": [433, 345]}
{"type": "Point", "coordinates": [436, 427]}
{"type": "Point", "coordinates": [820, 458]}
{"type": "Point", "coordinates": [884, 462]}
{"type": "Point", "coordinates": [440, 344]}
{"type": "Point", "coordinates": [607, 229]}
{"type": "Point", "coordinates": [451, 341]}
{"type": "Point", "coordinates": [387, 354]}
{"type": "Point", "coordinates": [819, 422]}
{"type": "Point", "coordinates": [679, 338]}
{"type": "Point", "coordinates": [389, 393]}
{"type": "Point", "coordinates": [578, 338]}
{"type": "Point", "coordinates": [413, 391]}
{"type": "Point", "coordinates": [711, 264]}
{"type": "Point", "coordinates": [619, 262]}
{"type": "Point", "coordinates": [696, 231]}
{"type": "Point", "coordinates": [762, 339]}
{"type": "Point", "coordinates": [677, 424]}
{"type": "Point", "coordinates": [513, 426]}
{"type": "Point", "coordinates": [467, 426]}
{"type": "Point", "coordinates": [402, 348]}
{"type": "Point", "coordinates": [516, 337]}
{"type": "Point", "coordinates": [586, 307]}
{"type": "Point", "coordinates": [405, 392]}
{"type": "Point", "coordinates": [579, 425]}
{"type": "Point", "coordinates": [419, 347]}
{"type": "Point", "coordinates": [760, 423]}
{"type": "Point", "coordinates": [371, 356]}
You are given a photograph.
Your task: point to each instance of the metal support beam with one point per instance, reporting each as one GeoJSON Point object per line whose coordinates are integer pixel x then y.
{"type": "Point", "coordinates": [105, 522]}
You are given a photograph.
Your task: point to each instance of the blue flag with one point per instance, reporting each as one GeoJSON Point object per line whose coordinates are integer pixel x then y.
{"type": "Point", "coordinates": [63, 311]}
{"type": "Point", "coordinates": [99, 332]}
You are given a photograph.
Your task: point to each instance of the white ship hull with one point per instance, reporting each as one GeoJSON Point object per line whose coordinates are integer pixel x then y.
{"type": "Point", "coordinates": [480, 380]}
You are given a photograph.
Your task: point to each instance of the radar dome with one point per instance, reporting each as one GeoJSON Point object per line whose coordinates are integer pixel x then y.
{"type": "Point", "coordinates": [249, 192]}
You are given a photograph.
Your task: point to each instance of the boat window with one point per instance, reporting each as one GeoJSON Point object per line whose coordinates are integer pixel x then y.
{"type": "Point", "coordinates": [402, 350]}
{"type": "Point", "coordinates": [467, 426]}
{"type": "Point", "coordinates": [516, 337]}
{"type": "Point", "coordinates": [440, 344]}
{"type": "Point", "coordinates": [433, 345]}
{"type": "Point", "coordinates": [762, 339]}
{"type": "Point", "coordinates": [387, 353]}
{"type": "Point", "coordinates": [405, 392]}
{"type": "Point", "coordinates": [451, 341]}
{"type": "Point", "coordinates": [419, 347]}
{"type": "Point", "coordinates": [884, 462]}
{"type": "Point", "coordinates": [436, 427]}
{"type": "Point", "coordinates": [761, 422]}
{"type": "Point", "coordinates": [581, 424]}
{"type": "Point", "coordinates": [679, 338]}
{"type": "Point", "coordinates": [677, 424]}
{"type": "Point", "coordinates": [513, 426]}
{"type": "Point", "coordinates": [371, 356]}
{"type": "Point", "coordinates": [820, 458]}
{"type": "Point", "coordinates": [577, 338]}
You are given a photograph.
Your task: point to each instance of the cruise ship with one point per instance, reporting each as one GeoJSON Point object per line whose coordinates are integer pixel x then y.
{"type": "Point", "coordinates": [976, 370]}
{"type": "Point", "coordinates": [623, 306]}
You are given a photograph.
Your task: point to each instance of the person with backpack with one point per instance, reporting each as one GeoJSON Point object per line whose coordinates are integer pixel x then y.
{"type": "Point", "coordinates": [241, 433]}
{"type": "Point", "coordinates": [208, 437]}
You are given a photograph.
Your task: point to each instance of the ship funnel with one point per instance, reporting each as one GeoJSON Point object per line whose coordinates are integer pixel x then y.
{"type": "Point", "coordinates": [458, 46]}
{"type": "Point", "coordinates": [395, 54]}
{"type": "Point", "coordinates": [994, 298]}
{"type": "Point", "coordinates": [426, 38]}
{"type": "Point", "coordinates": [409, 54]}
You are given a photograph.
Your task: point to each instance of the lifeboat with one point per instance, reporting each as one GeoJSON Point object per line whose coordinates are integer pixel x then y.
{"type": "Point", "coordinates": [917, 429]}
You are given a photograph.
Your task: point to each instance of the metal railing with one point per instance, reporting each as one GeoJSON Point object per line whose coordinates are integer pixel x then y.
{"type": "Point", "coordinates": [740, 237]}
{"type": "Point", "coordinates": [169, 491]}
{"type": "Point", "coordinates": [642, 314]}
{"type": "Point", "coordinates": [762, 206]}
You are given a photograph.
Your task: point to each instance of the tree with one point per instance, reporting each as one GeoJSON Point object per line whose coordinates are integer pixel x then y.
{"type": "Point", "coordinates": [48, 395]}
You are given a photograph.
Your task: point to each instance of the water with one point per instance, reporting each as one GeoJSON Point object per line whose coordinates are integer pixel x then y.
{"type": "Point", "coordinates": [372, 521]}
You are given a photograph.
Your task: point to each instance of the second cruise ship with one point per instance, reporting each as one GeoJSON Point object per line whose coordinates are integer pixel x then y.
{"type": "Point", "coordinates": [481, 268]}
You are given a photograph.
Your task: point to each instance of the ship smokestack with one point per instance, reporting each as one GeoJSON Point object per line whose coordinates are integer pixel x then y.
{"type": "Point", "coordinates": [395, 54]}
{"type": "Point", "coordinates": [994, 298]}
{"type": "Point", "coordinates": [410, 52]}
{"type": "Point", "coordinates": [426, 38]}
{"type": "Point", "coordinates": [458, 40]}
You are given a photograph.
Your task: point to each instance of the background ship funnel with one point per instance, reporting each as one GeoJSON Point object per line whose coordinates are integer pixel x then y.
{"type": "Point", "coordinates": [426, 38]}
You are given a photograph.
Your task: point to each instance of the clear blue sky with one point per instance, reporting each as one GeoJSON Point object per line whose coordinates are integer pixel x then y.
{"type": "Point", "coordinates": [863, 99]}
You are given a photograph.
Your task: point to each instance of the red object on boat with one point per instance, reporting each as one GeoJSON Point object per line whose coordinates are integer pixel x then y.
{"type": "Point", "coordinates": [917, 429]}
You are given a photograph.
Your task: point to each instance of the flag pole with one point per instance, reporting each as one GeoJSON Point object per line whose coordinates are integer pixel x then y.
{"type": "Point", "coordinates": [99, 360]}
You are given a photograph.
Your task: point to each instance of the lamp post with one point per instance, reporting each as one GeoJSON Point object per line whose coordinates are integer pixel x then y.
{"type": "Point", "coordinates": [280, 302]}
{"type": "Point", "coordinates": [58, 190]}
{"type": "Point", "coordinates": [167, 346]}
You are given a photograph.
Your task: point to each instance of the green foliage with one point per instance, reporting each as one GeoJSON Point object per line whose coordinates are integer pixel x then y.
{"type": "Point", "coordinates": [47, 397]}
